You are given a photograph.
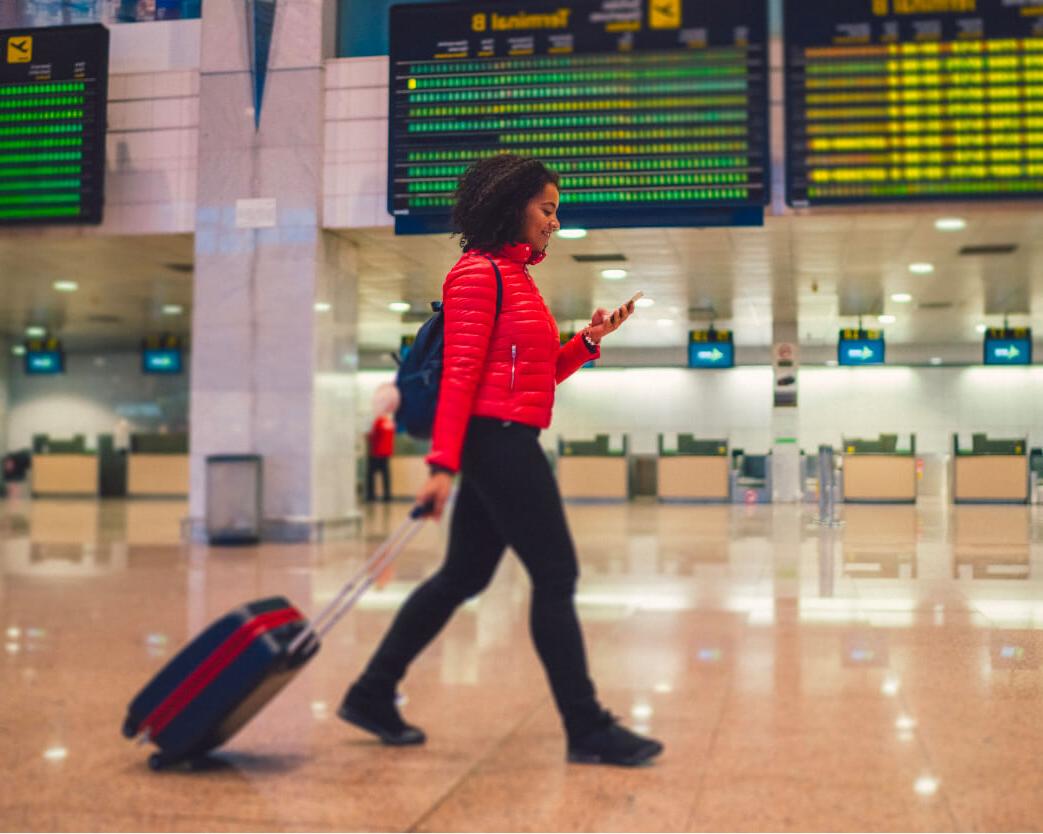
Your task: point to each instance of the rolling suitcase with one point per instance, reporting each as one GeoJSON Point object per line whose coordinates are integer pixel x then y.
{"type": "Point", "coordinates": [226, 675]}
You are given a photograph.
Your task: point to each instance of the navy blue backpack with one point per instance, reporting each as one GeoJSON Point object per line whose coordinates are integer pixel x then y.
{"type": "Point", "coordinates": [420, 371]}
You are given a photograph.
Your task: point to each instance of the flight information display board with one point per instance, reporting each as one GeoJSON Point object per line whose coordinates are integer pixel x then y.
{"type": "Point", "coordinates": [653, 113]}
{"type": "Point", "coordinates": [53, 95]}
{"type": "Point", "coordinates": [891, 100]}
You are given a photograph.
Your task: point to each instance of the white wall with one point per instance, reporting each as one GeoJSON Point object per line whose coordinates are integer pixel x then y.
{"type": "Point", "coordinates": [834, 403]}
{"type": "Point", "coordinates": [90, 398]}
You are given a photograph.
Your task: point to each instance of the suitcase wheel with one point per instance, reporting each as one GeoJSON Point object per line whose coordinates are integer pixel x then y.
{"type": "Point", "coordinates": [157, 761]}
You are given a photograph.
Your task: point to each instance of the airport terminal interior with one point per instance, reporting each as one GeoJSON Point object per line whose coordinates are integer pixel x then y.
{"type": "Point", "coordinates": [804, 479]}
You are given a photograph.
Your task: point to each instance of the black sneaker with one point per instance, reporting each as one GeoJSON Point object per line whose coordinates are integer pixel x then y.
{"type": "Point", "coordinates": [379, 717]}
{"type": "Point", "coordinates": [614, 744]}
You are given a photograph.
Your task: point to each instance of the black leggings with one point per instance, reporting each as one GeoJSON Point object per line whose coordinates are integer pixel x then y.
{"type": "Point", "coordinates": [508, 496]}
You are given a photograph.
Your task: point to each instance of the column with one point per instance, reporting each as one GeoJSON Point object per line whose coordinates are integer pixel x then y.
{"type": "Point", "coordinates": [274, 342]}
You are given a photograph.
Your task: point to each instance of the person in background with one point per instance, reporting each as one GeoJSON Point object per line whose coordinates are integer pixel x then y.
{"type": "Point", "coordinates": [497, 392]}
{"type": "Point", "coordinates": [381, 448]}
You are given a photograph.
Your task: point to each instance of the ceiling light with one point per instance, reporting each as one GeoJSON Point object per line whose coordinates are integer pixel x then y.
{"type": "Point", "coordinates": [572, 234]}
{"type": "Point", "coordinates": [921, 268]}
{"type": "Point", "coordinates": [18, 350]}
{"type": "Point", "coordinates": [936, 360]}
{"type": "Point", "coordinates": [399, 306]}
{"type": "Point", "coordinates": [644, 302]}
{"type": "Point", "coordinates": [886, 319]}
{"type": "Point", "coordinates": [981, 328]}
{"type": "Point", "coordinates": [614, 274]}
{"type": "Point", "coordinates": [66, 286]}
{"type": "Point", "coordinates": [950, 224]}
{"type": "Point", "coordinates": [323, 306]}
{"type": "Point", "coordinates": [901, 297]}
{"type": "Point", "coordinates": [35, 332]}
{"type": "Point", "coordinates": [173, 309]}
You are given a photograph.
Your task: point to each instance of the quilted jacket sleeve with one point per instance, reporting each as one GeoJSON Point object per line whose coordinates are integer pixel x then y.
{"type": "Point", "coordinates": [573, 356]}
{"type": "Point", "coordinates": [469, 305]}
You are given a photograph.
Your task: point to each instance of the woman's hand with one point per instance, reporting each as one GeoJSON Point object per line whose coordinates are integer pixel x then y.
{"type": "Point", "coordinates": [602, 322]}
{"type": "Point", "coordinates": [436, 492]}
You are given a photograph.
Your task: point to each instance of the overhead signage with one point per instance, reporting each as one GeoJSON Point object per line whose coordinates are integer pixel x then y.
{"type": "Point", "coordinates": [53, 99]}
{"type": "Point", "coordinates": [899, 100]}
{"type": "Point", "coordinates": [653, 113]}
{"type": "Point", "coordinates": [162, 355]}
{"type": "Point", "coordinates": [1008, 346]}
{"type": "Point", "coordinates": [711, 349]}
{"type": "Point", "coordinates": [44, 357]}
{"type": "Point", "coordinates": [861, 347]}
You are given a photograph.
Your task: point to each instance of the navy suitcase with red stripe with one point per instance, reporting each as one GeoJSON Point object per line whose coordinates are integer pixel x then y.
{"type": "Point", "coordinates": [226, 675]}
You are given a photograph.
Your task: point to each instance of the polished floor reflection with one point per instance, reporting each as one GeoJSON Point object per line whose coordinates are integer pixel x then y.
{"type": "Point", "coordinates": [880, 675]}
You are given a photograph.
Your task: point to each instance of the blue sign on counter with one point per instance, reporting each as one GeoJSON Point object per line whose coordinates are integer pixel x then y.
{"type": "Point", "coordinates": [161, 361]}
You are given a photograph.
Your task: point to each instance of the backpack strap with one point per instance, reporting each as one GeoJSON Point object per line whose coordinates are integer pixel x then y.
{"type": "Point", "coordinates": [499, 284]}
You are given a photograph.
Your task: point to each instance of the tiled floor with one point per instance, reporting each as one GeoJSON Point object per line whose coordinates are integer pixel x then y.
{"type": "Point", "coordinates": [881, 676]}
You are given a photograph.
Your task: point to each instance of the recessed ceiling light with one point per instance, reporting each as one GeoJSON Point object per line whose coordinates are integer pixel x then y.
{"type": "Point", "coordinates": [950, 224]}
{"type": "Point", "coordinates": [936, 360]}
{"type": "Point", "coordinates": [572, 234]}
{"type": "Point", "coordinates": [644, 302]}
{"type": "Point", "coordinates": [323, 306]}
{"type": "Point", "coordinates": [886, 319]}
{"type": "Point", "coordinates": [66, 286]}
{"type": "Point", "coordinates": [921, 268]}
{"type": "Point", "coordinates": [981, 328]}
{"type": "Point", "coordinates": [18, 350]}
{"type": "Point", "coordinates": [901, 297]}
{"type": "Point", "coordinates": [173, 309]}
{"type": "Point", "coordinates": [35, 332]}
{"type": "Point", "coordinates": [614, 274]}
{"type": "Point", "coordinates": [399, 306]}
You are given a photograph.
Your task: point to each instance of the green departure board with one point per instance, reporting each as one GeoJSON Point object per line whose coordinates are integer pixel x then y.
{"type": "Point", "coordinates": [892, 100]}
{"type": "Point", "coordinates": [653, 113]}
{"type": "Point", "coordinates": [53, 93]}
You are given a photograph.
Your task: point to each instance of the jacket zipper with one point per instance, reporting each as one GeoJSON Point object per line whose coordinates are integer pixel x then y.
{"type": "Point", "coordinates": [514, 361]}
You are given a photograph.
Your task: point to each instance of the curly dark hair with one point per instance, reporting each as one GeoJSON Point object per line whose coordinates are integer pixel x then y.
{"type": "Point", "coordinates": [490, 201]}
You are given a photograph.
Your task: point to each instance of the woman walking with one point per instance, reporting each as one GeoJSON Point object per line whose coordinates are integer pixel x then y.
{"type": "Point", "coordinates": [500, 370]}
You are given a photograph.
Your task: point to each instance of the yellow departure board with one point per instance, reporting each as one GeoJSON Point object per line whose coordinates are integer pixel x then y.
{"type": "Point", "coordinates": [897, 100]}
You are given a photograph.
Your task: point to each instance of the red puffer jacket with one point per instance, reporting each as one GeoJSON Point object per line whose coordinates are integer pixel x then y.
{"type": "Point", "coordinates": [506, 366]}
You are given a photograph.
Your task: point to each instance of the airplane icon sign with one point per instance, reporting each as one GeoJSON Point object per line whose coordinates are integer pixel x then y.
{"type": "Point", "coordinates": [19, 49]}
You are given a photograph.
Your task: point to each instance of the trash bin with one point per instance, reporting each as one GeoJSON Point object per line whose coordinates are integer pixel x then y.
{"type": "Point", "coordinates": [233, 499]}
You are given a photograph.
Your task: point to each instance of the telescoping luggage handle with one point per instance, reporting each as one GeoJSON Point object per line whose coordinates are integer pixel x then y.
{"type": "Point", "coordinates": [366, 576]}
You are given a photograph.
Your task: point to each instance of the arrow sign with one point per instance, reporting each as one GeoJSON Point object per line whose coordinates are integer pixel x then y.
{"type": "Point", "coordinates": [715, 355]}
{"type": "Point", "coordinates": [1009, 352]}
{"type": "Point", "coordinates": [863, 353]}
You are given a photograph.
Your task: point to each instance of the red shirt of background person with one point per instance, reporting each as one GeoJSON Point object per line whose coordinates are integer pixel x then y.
{"type": "Point", "coordinates": [382, 437]}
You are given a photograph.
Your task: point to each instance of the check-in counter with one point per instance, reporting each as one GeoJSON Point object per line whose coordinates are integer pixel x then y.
{"type": "Point", "coordinates": [65, 474]}
{"type": "Point", "coordinates": [407, 467]}
{"type": "Point", "coordinates": [878, 472]}
{"type": "Point", "coordinates": [157, 466]}
{"type": "Point", "coordinates": [696, 470]}
{"type": "Point", "coordinates": [991, 472]}
{"type": "Point", "coordinates": [589, 470]}
{"type": "Point", "coordinates": [63, 467]}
